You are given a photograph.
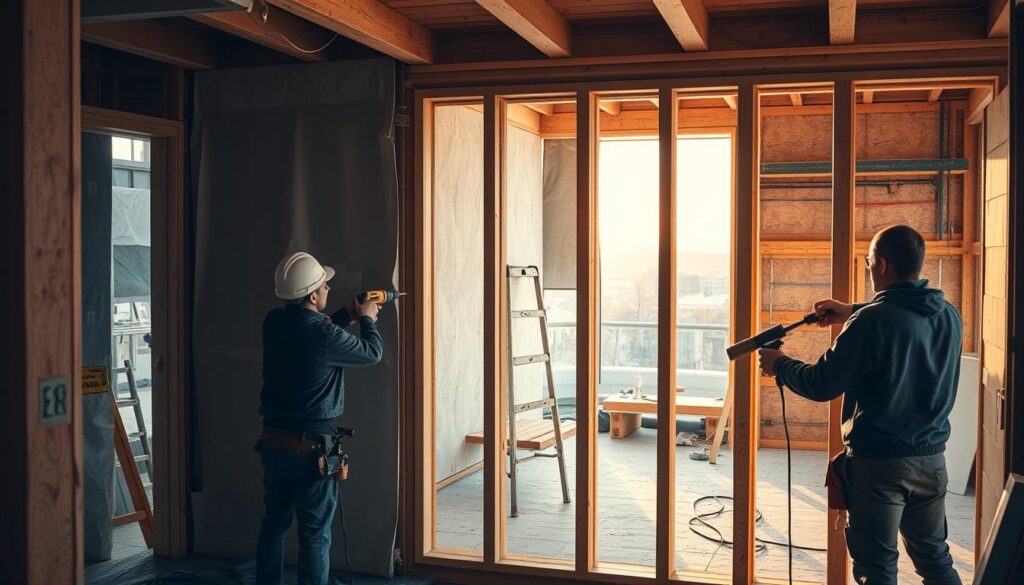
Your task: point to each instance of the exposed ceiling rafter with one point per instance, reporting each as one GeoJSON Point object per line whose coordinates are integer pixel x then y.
{"type": "Point", "coordinates": [281, 31]}
{"type": "Point", "coordinates": [536, 21]}
{"type": "Point", "coordinates": [688, 20]}
{"type": "Point", "coordinates": [842, 20]}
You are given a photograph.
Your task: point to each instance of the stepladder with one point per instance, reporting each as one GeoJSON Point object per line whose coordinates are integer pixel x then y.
{"type": "Point", "coordinates": [131, 463]}
{"type": "Point", "coordinates": [531, 434]}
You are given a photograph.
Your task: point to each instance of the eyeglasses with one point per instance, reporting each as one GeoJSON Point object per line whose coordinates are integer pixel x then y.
{"type": "Point", "coordinates": [867, 261]}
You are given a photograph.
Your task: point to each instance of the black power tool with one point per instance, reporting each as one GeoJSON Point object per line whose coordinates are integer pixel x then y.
{"type": "Point", "coordinates": [767, 339]}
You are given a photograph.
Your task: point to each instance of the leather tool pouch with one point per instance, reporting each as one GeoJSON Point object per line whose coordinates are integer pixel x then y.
{"type": "Point", "coordinates": [332, 462]}
{"type": "Point", "coordinates": [835, 482]}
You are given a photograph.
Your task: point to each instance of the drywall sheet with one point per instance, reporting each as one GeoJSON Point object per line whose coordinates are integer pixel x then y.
{"type": "Point", "coordinates": [560, 213]}
{"type": "Point", "coordinates": [299, 157]}
{"type": "Point", "coordinates": [458, 271]}
{"type": "Point", "coordinates": [963, 426]}
{"type": "Point", "coordinates": [97, 409]}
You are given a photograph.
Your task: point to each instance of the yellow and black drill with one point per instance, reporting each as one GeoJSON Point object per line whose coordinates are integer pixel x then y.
{"type": "Point", "coordinates": [381, 297]}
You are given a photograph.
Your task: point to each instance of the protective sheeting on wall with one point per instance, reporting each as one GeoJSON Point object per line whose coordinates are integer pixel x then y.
{"type": "Point", "coordinates": [560, 213]}
{"type": "Point", "coordinates": [292, 158]}
{"type": "Point", "coordinates": [97, 409]}
{"type": "Point", "coordinates": [130, 236]}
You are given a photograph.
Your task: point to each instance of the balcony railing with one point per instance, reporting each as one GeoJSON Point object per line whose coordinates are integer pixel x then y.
{"type": "Point", "coordinates": [634, 344]}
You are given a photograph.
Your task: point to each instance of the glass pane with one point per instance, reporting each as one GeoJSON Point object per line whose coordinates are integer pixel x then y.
{"type": "Point", "coordinates": [628, 301]}
{"type": "Point", "coordinates": [704, 491]}
{"type": "Point", "coordinates": [121, 148]}
{"type": "Point", "coordinates": [796, 226]}
{"type": "Point", "coordinates": [540, 227]}
{"type": "Point", "coordinates": [457, 214]}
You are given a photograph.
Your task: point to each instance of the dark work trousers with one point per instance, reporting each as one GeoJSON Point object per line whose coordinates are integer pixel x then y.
{"type": "Point", "coordinates": [905, 495]}
{"type": "Point", "coordinates": [293, 488]}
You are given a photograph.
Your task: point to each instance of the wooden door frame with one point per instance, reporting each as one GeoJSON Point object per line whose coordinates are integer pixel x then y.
{"type": "Point", "coordinates": [493, 565]}
{"type": "Point", "coordinates": [170, 346]}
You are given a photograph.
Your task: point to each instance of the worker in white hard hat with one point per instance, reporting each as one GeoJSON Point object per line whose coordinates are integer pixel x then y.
{"type": "Point", "coordinates": [305, 354]}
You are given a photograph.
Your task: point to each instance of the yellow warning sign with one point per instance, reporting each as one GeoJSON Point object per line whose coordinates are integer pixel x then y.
{"type": "Point", "coordinates": [95, 380]}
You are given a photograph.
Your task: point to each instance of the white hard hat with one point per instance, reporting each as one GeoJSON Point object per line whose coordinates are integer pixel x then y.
{"type": "Point", "coordinates": [299, 274]}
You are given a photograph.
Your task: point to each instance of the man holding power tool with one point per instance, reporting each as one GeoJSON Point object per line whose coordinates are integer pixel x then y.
{"type": "Point", "coordinates": [896, 363]}
{"type": "Point", "coordinates": [305, 354]}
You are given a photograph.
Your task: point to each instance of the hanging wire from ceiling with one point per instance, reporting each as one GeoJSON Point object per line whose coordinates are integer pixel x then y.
{"type": "Point", "coordinates": [263, 16]}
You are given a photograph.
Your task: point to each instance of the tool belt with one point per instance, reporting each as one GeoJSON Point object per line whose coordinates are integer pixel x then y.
{"type": "Point", "coordinates": [293, 442]}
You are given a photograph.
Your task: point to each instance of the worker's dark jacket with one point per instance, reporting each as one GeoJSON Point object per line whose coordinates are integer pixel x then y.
{"type": "Point", "coordinates": [305, 354]}
{"type": "Point", "coordinates": [898, 362]}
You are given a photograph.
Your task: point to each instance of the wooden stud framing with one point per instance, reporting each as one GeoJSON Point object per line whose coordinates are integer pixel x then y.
{"type": "Point", "coordinates": [586, 329]}
{"type": "Point", "coordinates": [970, 218]}
{"type": "Point", "coordinates": [536, 21]}
{"type": "Point", "coordinates": [494, 378]}
{"type": "Point", "coordinates": [665, 515]}
{"type": "Point", "coordinates": [843, 245]}
{"type": "Point", "coordinates": [170, 435]}
{"type": "Point", "coordinates": [745, 267]}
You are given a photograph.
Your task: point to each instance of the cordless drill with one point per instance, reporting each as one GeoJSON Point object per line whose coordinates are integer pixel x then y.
{"type": "Point", "coordinates": [381, 297]}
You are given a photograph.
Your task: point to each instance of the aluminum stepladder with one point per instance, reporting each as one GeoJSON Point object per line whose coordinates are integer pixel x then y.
{"type": "Point", "coordinates": [128, 461]}
{"type": "Point", "coordinates": [514, 409]}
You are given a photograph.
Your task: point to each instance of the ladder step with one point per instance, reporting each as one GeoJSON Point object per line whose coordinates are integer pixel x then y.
{"type": "Point", "coordinates": [137, 435]}
{"type": "Point", "coordinates": [530, 359]}
{"type": "Point", "coordinates": [528, 406]}
{"type": "Point", "coordinates": [141, 458]}
{"type": "Point", "coordinates": [528, 271]}
{"type": "Point", "coordinates": [528, 314]}
{"type": "Point", "coordinates": [127, 402]}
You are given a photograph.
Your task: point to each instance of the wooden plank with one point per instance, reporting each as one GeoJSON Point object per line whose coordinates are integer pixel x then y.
{"type": "Point", "coordinates": [542, 109]}
{"type": "Point", "coordinates": [869, 96]}
{"type": "Point", "coordinates": [41, 495]}
{"type": "Point", "coordinates": [610, 107]}
{"type": "Point", "coordinates": [822, 249]}
{"type": "Point", "coordinates": [455, 477]}
{"type": "Point", "coordinates": [842, 20]}
{"type": "Point", "coordinates": [667, 268]}
{"type": "Point", "coordinates": [281, 31]}
{"type": "Point", "coordinates": [371, 23]}
{"type": "Point", "coordinates": [843, 248]}
{"type": "Point", "coordinates": [731, 101]}
{"type": "Point", "coordinates": [688, 20]}
{"type": "Point", "coordinates": [745, 265]}
{"type": "Point", "coordinates": [998, 18]}
{"type": "Point", "coordinates": [586, 329]}
{"type": "Point", "coordinates": [696, 406]}
{"type": "Point", "coordinates": [531, 434]}
{"type": "Point", "coordinates": [536, 21]}
{"type": "Point", "coordinates": [970, 218]}
{"type": "Point", "coordinates": [493, 324]}
{"type": "Point", "coordinates": [155, 41]}
{"type": "Point", "coordinates": [934, 94]}
{"type": "Point", "coordinates": [638, 122]}
{"type": "Point", "coordinates": [795, 444]}
{"type": "Point", "coordinates": [796, 99]}
{"type": "Point", "coordinates": [869, 108]}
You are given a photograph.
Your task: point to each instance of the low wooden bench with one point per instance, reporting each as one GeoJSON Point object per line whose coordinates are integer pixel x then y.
{"type": "Point", "coordinates": [536, 434]}
{"type": "Point", "coordinates": [626, 412]}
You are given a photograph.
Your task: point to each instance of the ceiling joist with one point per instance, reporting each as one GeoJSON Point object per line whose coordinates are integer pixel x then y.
{"type": "Point", "coordinates": [536, 21]}
{"type": "Point", "coordinates": [796, 99]}
{"type": "Point", "coordinates": [934, 94]}
{"type": "Point", "coordinates": [688, 20]}
{"type": "Point", "coordinates": [371, 23]}
{"type": "Point", "coordinates": [153, 40]}
{"type": "Point", "coordinates": [999, 18]}
{"type": "Point", "coordinates": [610, 107]}
{"type": "Point", "coordinates": [281, 31]}
{"type": "Point", "coordinates": [842, 19]}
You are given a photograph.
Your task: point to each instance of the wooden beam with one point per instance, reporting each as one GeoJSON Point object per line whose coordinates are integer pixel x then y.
{"type": "Point", "coordinates": [999, 18]}
{"type": "Point", "coordinates": [804, 248]}
{"type": "Point", "coordinates": [968, 266]}
{"type": "Point", "coordinates": [844, 132]}
{"type": "Point", "coordinates": [371, 23]}
{"type": "Point", "coordinates": [40, 304]}
{"type": "Point", "coordinates": [282, 31]}
{"type": "Point", "coordinates": [796, 99]}
{"type": "Point", "coordinates": [744, 311]}
{"type": "Point", "coordinates": [688, 20]}
{"type": "Point", "coordinates": [610, 107]}
{"type": "Point", "coordinates": [869, 96]}
{"type": "Point", "coordinates": [730, 100]}
{"type": "Point", "coordinates": [542, 109]}
{"type": "Point", "coordinates": [587, 124]}
{"type": "Point", "coordinates": [667, 268]}
{"type": "Point", "coordinates": [934, 94]}
{"type": "Point", "coordinates": [536, 21]}
{"type": "Point", "coordinates": [155, 41]}
{"type": "Point", "coordinates": [842, 20]}
{"type": "Point", "coordinates": [977, 101]}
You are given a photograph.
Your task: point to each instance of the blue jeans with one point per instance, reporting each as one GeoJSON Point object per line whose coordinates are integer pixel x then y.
{"type": "Point", "coordinates": [293, 487]}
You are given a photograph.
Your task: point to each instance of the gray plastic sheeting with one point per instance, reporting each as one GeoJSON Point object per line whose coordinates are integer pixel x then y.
{"type": "Point", "coordinates": [291, 158]}
{"type": "Point", "coordinates": [97, 409]}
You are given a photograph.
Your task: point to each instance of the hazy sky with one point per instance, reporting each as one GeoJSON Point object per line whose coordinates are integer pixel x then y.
{"type": "Point", "coordinates": [628, 194]}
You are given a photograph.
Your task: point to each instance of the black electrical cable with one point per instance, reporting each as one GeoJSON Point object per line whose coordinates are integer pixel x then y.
{"type": "Point", "coordinates": [344, 534]}
{"type": "Point", "coordinates": [789, 478]}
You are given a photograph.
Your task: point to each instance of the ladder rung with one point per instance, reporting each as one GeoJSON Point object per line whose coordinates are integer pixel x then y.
{"type": "Point", "coordinates": [141, 458]}
{"type": "Point", "coordinates": [119, 370]}
{"type": "Point", "coordinates": [127, 402]}
{"type": "Point", "coordinates": [136, 435]}
{"type": "Point", "coordinates": [530, 271]}
{"type": "Point", "coordinates": [527, 314]}
{"type": "Point", "coordinates": [528, 406]}
{"type": "Point", "coordinates": [129, 518]}
{"type": "Point", "coordinates": [530, 359]}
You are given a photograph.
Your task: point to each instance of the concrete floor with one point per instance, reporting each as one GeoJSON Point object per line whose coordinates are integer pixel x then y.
{"type": "Point", "coordinates": [626, 511]}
